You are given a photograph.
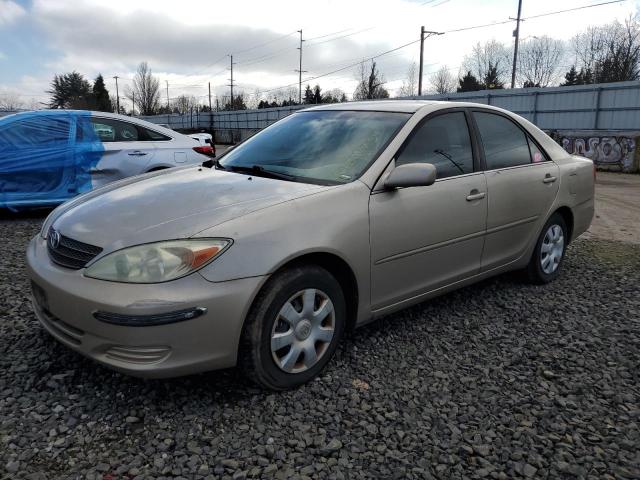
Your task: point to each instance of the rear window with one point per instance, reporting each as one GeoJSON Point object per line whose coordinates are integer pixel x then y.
{"type": "Point", "coordinates": [112, 130]}
{"type": "Point", "coordinates": [505, 144]}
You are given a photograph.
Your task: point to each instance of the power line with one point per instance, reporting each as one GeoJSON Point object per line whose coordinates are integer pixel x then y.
{"type": "Point", "coordinates": [574, 9]}
{"type": "Point", "coordinates": [264, 43]}
{"type": "Point", "coordinates": [344, 36]}
{"type": "Point", "coordinates": [345, 68]}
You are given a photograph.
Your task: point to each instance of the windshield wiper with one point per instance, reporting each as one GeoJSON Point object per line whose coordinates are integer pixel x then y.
{"type": "Point", "coordinates": [259, 171]}
{"type": "Point", "coordinates": [448, 157]}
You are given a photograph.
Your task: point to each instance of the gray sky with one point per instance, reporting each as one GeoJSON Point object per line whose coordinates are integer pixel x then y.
{"type": "Point", "coordinates": [186, 42]}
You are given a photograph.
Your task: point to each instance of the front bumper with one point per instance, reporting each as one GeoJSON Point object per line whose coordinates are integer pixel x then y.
{"type": "Point", "coordinates": [67, 301]}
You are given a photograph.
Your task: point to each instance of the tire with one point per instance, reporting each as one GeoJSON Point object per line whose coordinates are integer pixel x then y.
{"type": "Point", "coordinates": [544, 267]}
{"type": "Point", "coordinates": [278, 343]}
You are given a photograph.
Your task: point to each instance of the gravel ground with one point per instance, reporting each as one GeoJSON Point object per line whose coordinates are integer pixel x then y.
{"type": "Point", "coordinates": [498, 380]}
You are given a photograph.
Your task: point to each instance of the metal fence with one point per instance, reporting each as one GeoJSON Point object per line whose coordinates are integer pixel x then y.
{"type": "Point", "coordinates": [607, 107]}
{"type": "Point", "coordinates": [603, 107]}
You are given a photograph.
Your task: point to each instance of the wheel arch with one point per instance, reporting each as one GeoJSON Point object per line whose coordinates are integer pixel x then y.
{"type": "Point", "coordinates": [566, 213]}
{"type": "Point", "coordinates": [338, 267]}
{"type": "Point", "coordinates": [157, 168]}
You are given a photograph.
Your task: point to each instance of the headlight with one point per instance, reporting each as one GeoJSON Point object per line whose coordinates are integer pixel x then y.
{"type": "Point", "coordinates": [157, 262]}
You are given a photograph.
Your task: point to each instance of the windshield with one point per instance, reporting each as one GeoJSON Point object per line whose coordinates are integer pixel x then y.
{"type": "Point", "coordinates": [327, 147]}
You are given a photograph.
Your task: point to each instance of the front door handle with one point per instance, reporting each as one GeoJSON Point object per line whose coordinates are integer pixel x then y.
{"type": "Point", "coordinates": [548, 178]}
{"type": "Point", "coordinates": [475, 195]}
{"type": "Point", "coordinates": [137, 153]}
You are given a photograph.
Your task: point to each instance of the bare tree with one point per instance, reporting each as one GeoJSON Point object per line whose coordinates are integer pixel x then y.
{"type": "Point", "coordinates": [10, 102]}
{"type": "Point", "coordinates": [538, 61]}
{"type": "Point", "coordinates": [488, 60]}
{"type": "Point", "coordinates": [410, 83]}
{"type": "Point", "coordinates": [370, 82]}
{"type": "Point", "coordinates": [443, 81]}
{"type": "Point", "coordinates": [184, 103]}
{"type": "Point", "coordinates": [146, 90]}
{"type": "Point", "coordinates": [609, 53]}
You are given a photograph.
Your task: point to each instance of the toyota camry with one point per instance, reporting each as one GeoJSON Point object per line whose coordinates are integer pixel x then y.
{"type": "Point", "coordinates": [322, 222]}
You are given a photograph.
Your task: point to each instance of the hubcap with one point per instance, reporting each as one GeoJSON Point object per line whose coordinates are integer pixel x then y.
{"type": "Point", "coordinates": [552, 249]}
{"type": "Point", "coordinates": [303, 331]}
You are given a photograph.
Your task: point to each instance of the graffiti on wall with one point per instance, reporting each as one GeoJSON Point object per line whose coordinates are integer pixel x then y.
{"type": "Point", "coordinates": [610, 153]}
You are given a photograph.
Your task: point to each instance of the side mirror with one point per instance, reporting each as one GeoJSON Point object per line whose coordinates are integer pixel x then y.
{"type": "Point", "coordinates": [411, 175]}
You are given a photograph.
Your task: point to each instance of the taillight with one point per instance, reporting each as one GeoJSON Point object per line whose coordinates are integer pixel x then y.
{"type": "Point", "coordinates": [205, 150]}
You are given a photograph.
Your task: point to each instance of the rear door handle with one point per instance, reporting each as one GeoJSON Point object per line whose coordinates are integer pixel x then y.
{"type": "Point", "coordinates": [549, 179]}
{"type": "Point", "coordinates": [475, 195]}
{"type": "Point", "coordinates": [137, 153]}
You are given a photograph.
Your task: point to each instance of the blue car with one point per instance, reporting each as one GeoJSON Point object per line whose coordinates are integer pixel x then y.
{"type": "Point", "coordinates": [48, 157]}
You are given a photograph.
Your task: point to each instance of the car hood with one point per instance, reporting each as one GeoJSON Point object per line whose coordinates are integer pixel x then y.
{"type": "Point", "coordinates": [178, 204]}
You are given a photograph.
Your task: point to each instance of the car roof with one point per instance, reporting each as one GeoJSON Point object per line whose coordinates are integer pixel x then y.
{"type": "Point", "coordinates": [405, 106]}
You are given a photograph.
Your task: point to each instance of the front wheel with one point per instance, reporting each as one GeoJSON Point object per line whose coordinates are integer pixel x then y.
{"type": "Point", "coordinates": [547, 257]}
{"type": "Point", "coordinates": [293, 328]}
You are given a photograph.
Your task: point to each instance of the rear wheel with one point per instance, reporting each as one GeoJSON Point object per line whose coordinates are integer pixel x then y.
{"type": "Point", "coordinates": [548, 255]}
{"type": "Point", "coordinates": [293, 328]}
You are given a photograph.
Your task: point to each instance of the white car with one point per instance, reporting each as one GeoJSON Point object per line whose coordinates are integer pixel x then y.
{"type": "Point", "coordinates": [47, 157]}
{"type": "Point", "coordinates": [203, 138]}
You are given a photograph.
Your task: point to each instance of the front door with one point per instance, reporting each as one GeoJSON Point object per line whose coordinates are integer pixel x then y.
{"type": "Point", "coordinates": [522, 184]}
{"type": "Point", "coordinates": [423, 238]}
{"type": "Point", "coordinates": [36, 159]}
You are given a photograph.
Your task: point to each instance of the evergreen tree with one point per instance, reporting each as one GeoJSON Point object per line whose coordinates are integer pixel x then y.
{"type": "Point", "coordinates": [308, 96]}
{"type": "Point", "coordinates": [102, 102]}
{"type": "Point", "coordinates": [571, 77]}
{"type": "Point", "coordinates": [469, 83]}
{"type": "Point", "coordinates": [317, 95]}
{"type": "Point", "coordinates": [70, 90]}
{"type": "Point", "coordinates": [492, 79]}
{"type": "Point", "coordinates": [585, 77]}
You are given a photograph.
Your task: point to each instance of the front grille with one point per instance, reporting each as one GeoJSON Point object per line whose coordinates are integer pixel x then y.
{"type": "Point", "coordinates": [68, 252]}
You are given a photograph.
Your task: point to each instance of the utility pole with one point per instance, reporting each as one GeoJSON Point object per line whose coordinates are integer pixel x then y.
{"type": "Point", "coordinates": [133, 102]}
{"type": "Point", "coordinates": [231, 84]}
{"type": "Point", "coordinates": [210, 111]}
{"type": "Point", "coordinates": [168, 109]}
{"type": "Point", "coordinates": [516, 33]}
{"type": "Point", "coordinates": [300, 71]}
{"type": "Point", "coordinates": [422, 39]}
{"type": "Point", "coordinates": [117, 95]}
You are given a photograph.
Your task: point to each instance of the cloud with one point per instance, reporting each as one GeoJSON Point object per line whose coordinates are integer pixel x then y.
{"type": "Point", "coordinates": [10, 11]}
{"type": "Point", "coordinates": [187, 42]}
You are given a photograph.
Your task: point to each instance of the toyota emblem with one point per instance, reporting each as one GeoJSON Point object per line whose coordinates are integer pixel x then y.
{"type": "Point", "coordinates": [54, 239]}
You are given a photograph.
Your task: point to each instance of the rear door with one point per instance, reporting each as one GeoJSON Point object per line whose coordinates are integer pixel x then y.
{"type": "Point", "coordinates": [128, 150]}
{"type": "Point", "coordinates": [36, 159]}
{"type": "Point", "coordinates": [522, 184]}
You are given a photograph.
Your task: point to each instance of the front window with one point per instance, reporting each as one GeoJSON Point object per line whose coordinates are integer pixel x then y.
{"type": "Point", "coordinates": [444, 142]}
{"type": "Point", "coordinates": [328, 147]}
